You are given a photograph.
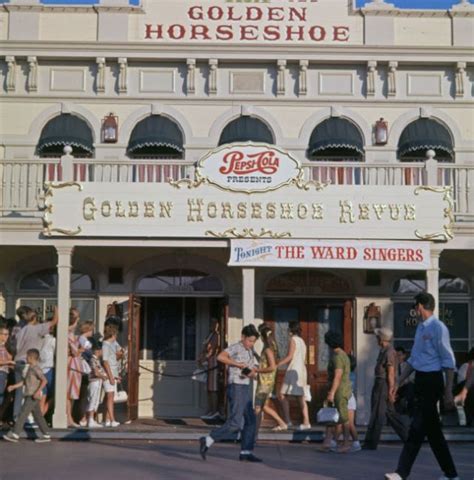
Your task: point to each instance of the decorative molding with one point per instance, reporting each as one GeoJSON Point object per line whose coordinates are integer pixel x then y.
{"type": "Point", "coordinates": [447, 233]}
{"type": "Point", "coordinates": [213, 65]}
{"type": "Point", "coordinates": [392, 79]}
{"type": "Point", "coordinates": [123, 75]}
{"type": "Point", "coordinates": [303, 78]}
{"type": "Point", "coordinates": [281, 76]}
{"type": "Point", "coordinates": [191, 76]}
{"type": "Point", "coordinates": [188, 183]}
{"type": "Point", "coordinates": [248, 233]}
{"type": "Point", "coordinates": [371, 70]}
{"type": "Point", "coordinates": [459, 80]}
{"type": "Point", "coordinates": [100, 80]}
{"type": "Point", "coordinates": [32, 80]}
{"type": "Point", "coordinates": [11, 74]}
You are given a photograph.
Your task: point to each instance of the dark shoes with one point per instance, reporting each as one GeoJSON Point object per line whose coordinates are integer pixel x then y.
{"type": "Point", "coordinates": [249, 457]}
{"type": "Point", "coordinates": [203, 447]}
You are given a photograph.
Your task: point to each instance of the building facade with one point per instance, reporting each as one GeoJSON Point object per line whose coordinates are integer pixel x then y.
{"type": "Point", "coordinates": [113, 121]}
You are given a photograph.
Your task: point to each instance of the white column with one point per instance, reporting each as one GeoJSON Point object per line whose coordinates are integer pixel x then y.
{"type": "Point", "coordinates": [64, 296]}
{"type": "Point", "coordinates": [248, 295]}
{"type": "Point", "coordinates": [432, 274]}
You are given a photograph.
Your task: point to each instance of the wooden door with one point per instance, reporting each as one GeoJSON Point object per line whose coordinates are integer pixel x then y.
{"type": "Point", "coordinates": [134, 312]}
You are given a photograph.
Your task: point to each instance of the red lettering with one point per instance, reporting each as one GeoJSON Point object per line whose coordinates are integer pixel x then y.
{"type": "Point", "coordinates": [224, 32]}
{"type": "Point", "coordinates": [410, 255]}
{"type": "Point", "coordinates": [279, 250]}
{"type": "Point", "coordinates": [299, 32]}
{"type": "Point", "coordinates": [271, 33]}
{"type": "Point", "coordinates": [176, 35]}
{"type": "Point", "coordinates": [340, 253]}
{"type": "Point", "coordinates": [276, 14]}
{"type": "Point", "coordinates": [264, 162]}
{"type": "Point", "coordinates": [195, 13]}
{"type": "Point", "coordinates": [230, 15]}
{"type": "Point", "coordinates": [367, 254]}
{"type": "Point", "coordinates": [257, 13]}
{"type": "Point", "coordinates": [246, 32]}
{"type": "Point", "coordinates": [215, 13]}
{"type": "Point", "coordinates": [351, 253]}
{"type": "Point", "coordinates": [200, 31]}
{"type": "Point", "coordinates": [419, 255]}
{"type": "Point", "coordinates": [317, 33]}
{"type": "Point", "coordinates": [149, 31]}
{"type": "Point", "coordinates": [297, 14]}
{"type": "Point", "coordinates": [341, 34]}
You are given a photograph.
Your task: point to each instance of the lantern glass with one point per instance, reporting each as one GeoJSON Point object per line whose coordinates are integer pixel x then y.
{"type": "Point", "coordinates": [381, 132]}
{"type": "Point", "coordinates": [110, 129]}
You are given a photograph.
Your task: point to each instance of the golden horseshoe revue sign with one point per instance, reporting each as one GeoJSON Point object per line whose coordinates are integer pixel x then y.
{"type": "Point", "coordinates": [248, 191]}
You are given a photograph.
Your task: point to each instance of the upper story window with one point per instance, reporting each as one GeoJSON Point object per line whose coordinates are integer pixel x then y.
{"type": "Point", "coordinates": [156, 137]}
{"type": "Point", "coordinates": [47, 281]}
{"type": "Point", "coordinates": [336, 139]}
{"type": "Point", "coordinates": [246, 129]}
{"type": "Point", "coordinates": [66, 129]}
{"type": "Point", "coordinates": [422, 135]}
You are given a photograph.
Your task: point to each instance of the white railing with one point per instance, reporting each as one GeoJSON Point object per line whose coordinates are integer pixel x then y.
{"type": "Point", "coordinates": [22, 181]}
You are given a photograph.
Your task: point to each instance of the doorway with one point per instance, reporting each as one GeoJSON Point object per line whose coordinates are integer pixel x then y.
{"type": "Point", "coordinates": [316, 317]}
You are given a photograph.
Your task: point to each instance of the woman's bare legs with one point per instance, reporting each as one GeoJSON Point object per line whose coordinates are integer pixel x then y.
{"type": "Point", "coordinates": [109, 414]}
{"type": "Point", "coordinates": [304, 409]}
{"type": "Point", "coordinates": [285, 406]}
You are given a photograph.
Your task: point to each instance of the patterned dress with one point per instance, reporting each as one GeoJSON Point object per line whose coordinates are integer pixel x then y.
{"type": "Point", "coordinates": [74, 368]}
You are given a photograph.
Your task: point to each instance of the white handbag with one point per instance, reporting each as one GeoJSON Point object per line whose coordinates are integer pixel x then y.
{"type": "Point", "coordinates": [121, 397]}
{"type": "Point", "coordinates": [327, 415]}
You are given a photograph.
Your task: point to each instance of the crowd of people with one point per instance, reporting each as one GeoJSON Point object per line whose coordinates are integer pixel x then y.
{"type": "Point", "coordinates": [27, 380]}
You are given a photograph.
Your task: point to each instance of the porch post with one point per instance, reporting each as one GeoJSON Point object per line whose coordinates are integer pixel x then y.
{"type": "Point", "coordinates": [64, 297]}
{"type": "Point", "coordinates": [432, 275]}
{"type": "Point", "coordinates": [248, 295]}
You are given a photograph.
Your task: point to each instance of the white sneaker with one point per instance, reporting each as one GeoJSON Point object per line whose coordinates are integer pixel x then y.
{"type": "Point", "coordinates": [83, 423]}
{"type": "Point", "coordinates": [356, 447]}
{"type": "Point", "coordinates": [393, 476]}
{"type": "Point", "coordinates": [210, 416]}
{"type": "Point", "coordinates": [94, 424]}
{"type": "Point", "coordinates": [107, 423]}
{"type": "Point", "coordinates": [11, 437]}
{"type": "Point", "coordinates": [114, 424]}
{"type": "Point", "coordinates": [303, 427]}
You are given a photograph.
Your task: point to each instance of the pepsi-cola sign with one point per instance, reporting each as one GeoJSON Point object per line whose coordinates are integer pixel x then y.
{"type": "Point", "coordinates": [249, 167]}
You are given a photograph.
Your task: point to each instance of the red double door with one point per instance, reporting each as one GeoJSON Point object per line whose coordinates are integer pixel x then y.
{"type": "Point", "coordinates": [316, 317]}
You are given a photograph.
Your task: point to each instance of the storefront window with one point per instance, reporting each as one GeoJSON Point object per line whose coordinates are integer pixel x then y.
{"type": "Point", "coordinates": [47, 280]}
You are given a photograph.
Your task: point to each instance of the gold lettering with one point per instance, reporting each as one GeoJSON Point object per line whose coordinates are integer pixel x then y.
{"type": "Point", "coordinates": [256, 210]}
{"type": "Point", "coordinates": [318, 211]}
{"type": "Point", "coordinates": [271, 210]}
{"type": "Point", "coordinates": [212, 210]}
{"type": "Point", "coordinates": [89, 209]}
{"type": "Point", "coordinates": [106, 209]}
{"type": "Point", "coordinates": [410, 212]}
{"type": "Point", "coordinates": [195, 210]}
{"type": "Point", "coordinates": [364, 211]}
{"type": "Point", "coordinates": [227, 210]}
{"type": "Point", "coordinates": [379, 209]}
{"type": "Point", "coordinates": [149, 209]}
{"type": "Point", "coordinates": [241, 210]}
{"type": "Point", "coordinates": [302, 211]}
{"type": "Point", "coordinates": [394, 212]}
{"type": "Point", "coordinates": [133, 209]}
{"type": "Point", "coordinates": [165, 209]}
{"type": "Point", "coordinates": [286, 211]}
{"type": "Point", "coordinates": [347, 212]}
{"type": "Point", "coordinates": [119, 210]}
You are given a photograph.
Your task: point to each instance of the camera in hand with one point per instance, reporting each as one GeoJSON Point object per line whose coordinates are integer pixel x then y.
{"type": "Point", "coordinates": [246, 371]}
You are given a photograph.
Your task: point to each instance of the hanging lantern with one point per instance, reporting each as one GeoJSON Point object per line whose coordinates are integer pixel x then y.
{"type": "Point", "coordinates": [381, 132]}
{"type": "Point", "coordinates": [110, 129]}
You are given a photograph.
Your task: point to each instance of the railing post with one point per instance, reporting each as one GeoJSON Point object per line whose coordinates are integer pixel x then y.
{"type": "Point", "coordinates": [67, 165]}
{"type": "Point", "coordinates": [431, 168]}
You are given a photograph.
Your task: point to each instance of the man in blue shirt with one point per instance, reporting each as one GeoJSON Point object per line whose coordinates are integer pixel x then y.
{"type": "Point", "coordinates": [431, 355]}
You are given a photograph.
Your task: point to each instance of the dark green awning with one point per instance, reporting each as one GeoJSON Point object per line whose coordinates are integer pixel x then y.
{"type": "Point", "coordinates": [246, 129]}
{"type": "Point", "coordinates": [336, 133]}
{"type": "Point", "coordinates": [425, 134]}
{"type": "Point", "coordinates": [156, 131]}
{"type": "Point", "coordinates": [66, 129]}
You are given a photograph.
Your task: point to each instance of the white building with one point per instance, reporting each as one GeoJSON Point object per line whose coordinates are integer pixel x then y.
{"type": "Point", "coordinates": [142, 94]}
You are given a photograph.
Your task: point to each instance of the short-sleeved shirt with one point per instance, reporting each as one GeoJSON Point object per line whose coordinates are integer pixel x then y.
{"type": "Point", "coordinates": [240, 354]}
{"type": "Point", "coordinates": [30, 336]}
{"type": "Point", "coordinates": [4, 357]}
{"type": "Point", "coordinates": [33, 378]}
{"type": "Point", "coordinates": [340, 360]}
{"type": "Point", "coordinates": [109, 354]}
{"type": "Point", "coordinates": [47, 352]}
{"type": "Point", "coordinates": [387, 358]}
{"type": "Point", "coordinates": [96, 365]}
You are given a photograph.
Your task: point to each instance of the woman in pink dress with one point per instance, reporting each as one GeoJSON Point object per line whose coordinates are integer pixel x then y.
{"type": "Point", "coordinates": [74, 366]}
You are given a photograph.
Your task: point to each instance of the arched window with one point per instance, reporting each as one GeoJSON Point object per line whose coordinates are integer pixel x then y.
{"type": "Point", "coordinates": [66, 129]}
{"type": "Point", "coordinates": [39, 290]}
{"type": "Point", "coordinates": [336, 139]}
{"type": "Point", "coordinates": [422, 135]}
{"type": "Point", "coordinates": [453, 309]}
{"type": "Point", "coordinates": [156, 137]}
{"type": "Point", "coordinates": [181, 282]}
{"type": "Point", "coordinates": [246, 129]}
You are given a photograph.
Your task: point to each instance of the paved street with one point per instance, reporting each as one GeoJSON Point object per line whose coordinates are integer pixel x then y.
{"type": "Point", "coordinates": [125, 460]}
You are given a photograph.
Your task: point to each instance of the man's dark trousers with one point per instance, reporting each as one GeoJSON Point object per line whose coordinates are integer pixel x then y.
{"type": "Point", "coordinates": [241, 417]}
{"type": "Point", "coordinates": [381, 410]}
{"type": "Point", "coordinates": [429, 388]}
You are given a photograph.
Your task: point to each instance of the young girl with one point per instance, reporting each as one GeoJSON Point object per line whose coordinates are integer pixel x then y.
{"type": "Point", "coordinates": [96, 377]}
{"type": "Point", "coordinates": [111, 350]}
